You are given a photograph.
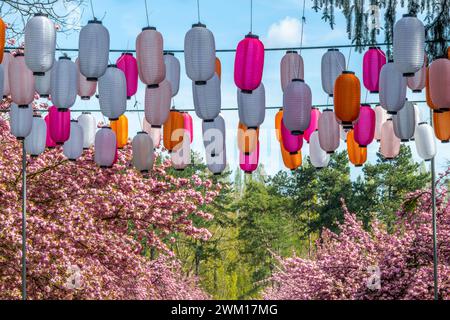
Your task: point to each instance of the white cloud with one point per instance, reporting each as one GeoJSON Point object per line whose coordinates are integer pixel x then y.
{"type": "Point", "coordinates": [286, 32]}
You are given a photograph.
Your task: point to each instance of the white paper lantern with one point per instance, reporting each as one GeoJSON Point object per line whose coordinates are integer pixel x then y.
{"type": "Point", "coordinates": [214, 134]}
{"type": "Point", "coordinates": [319, 158]}
{"type": "Point", "coordinates": [35, 142]}
{"type": "Point", "coordinates": [181, 156]}
{"type": "Point", "coordinates": [409, 45]}
{"type": "Point", "coordinates": [333, 64]}
{"type": "Point", "coordinates": [329, 131]}
{"type": "Point", "coordinates": [381, 117]}
{"type": "Point", "coordinates": [157, 104]}
{"type": "Point", "coordinates": [292, 67]}
{"type": "Point", "coordinates": [172, 72]}
{"type": "Point", "coordinates": [143, 153]}
{"type": "Point", "coordinates": [425, 141]}
{"type": "Point", "coordinates": [200, 54]}
{"type": "Point", "coordinates": [86, 89]}
{"type": "Point", "coordinates": [21, 81]}
{"type": "Point", "coordinates": [149, 55]}
{"type": "Point", "coordinates": [88, 123]}
{"type": "Point", "coordinates": [43, 84]}
{"type": "Point", "coordinates": [392, 88]}
{"type": "Point", "coordinates": [73, 148]}
{"type": "Point", "coordinates": [64, 83]}
{"type": "Point", "coordinates": [105, 147]}
{"type": "Point", "coordinates": [93, 50]}
{"type": "Point", "coordinates": [112, 90]}
{"type": "Point", "coordinates": [21, 120]}
{"type": "Point", "coordinates": [252, 107]}
{"type": "Point", "coordinates": [7, 57]}
{"type": "Point", "coordinates": [40, 44]}
{"type": "Point", "coordinates": [297, 107]}
{"type": "Point", "coordinates": [405, 122]}
{"type": "Point", "coordinates": [207, 98]}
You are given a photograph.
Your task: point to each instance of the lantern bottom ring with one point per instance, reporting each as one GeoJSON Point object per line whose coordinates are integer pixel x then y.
{"type": "Point", "coordinates": [247, 154]}
{"type": "Point", "coordinates": [217, 174]}
{"type": "Point", "coordinates": [446, 141]}
{"type": "Point", "coordinates": [144, 171]}
{"type": "Point", "coordinates": [44, 95]}
{"type": "Point", "coordinates": [39, 74]}
{"type": "Point", "coordinates": [417, 91]}
{"type": "Point", "coordinates": [152, 86]}
{"type": "Point", "coordinates": [358, 166]}
{"type": "Point", "coordinates": [330, 152]}
{"type": "Point", "coordinates": [375, 92]}
{"type": "Point", "coordinates": [113, 119]}
{"type": "Point", "coordinates": [62, 110]}
{"type": "Point", "coordinates": [73, 160]}
{"type": "Point", "coordinates": [247, 91]}
{"type": "Point", "coordinates": [106, 167]}
{"type": "Point", "coordinates": [404, 140]}
{"type": "Point", "coordinates": [4, 97]}
{"type": "Point", "coordinates": [156, 127]}
{"type": "Point", "coordinates": [363, 147]}
{"type": "Point", "coordinates": [86, 149]}
{"type": "Point", "coordinates": [85, 98]}
{"type": "Point", "coordinates": [297, 133]}
{"type": "Point", "coordinates": [200, 83]}
{"type": "Point", "coordinates": [20, 139]}
{"type": "Point", "coordinates": [409, 75]}
{"type": "Point", "coordinates": [92, 79]}
{"type": "Point", "coordinates": [392, 113]}
{"type": "Point", "coordinates": [248, 172]}
{"type": "Point", "coordinates": [128, 98]}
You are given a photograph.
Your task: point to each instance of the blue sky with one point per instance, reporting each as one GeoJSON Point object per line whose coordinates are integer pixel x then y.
{"type": "Point", "coordinates": [278, 25]}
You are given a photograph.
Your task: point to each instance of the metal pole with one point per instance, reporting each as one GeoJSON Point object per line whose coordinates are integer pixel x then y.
{"type": "Point", "coordinates": [433, 196]}
{"type": "Point", "coordinates": [24, 222]}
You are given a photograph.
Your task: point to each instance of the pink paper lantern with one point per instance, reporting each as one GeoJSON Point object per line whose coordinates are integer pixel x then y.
{"type": "Point", "coordinates": [149, 54]}
{"type": "Point", "coordinates": [292, 143]}
{"type": "Point", "coordinates": [440, 83]}
{"type": "Point", "coordinates": [249, 63]}
{"type": "Point", "coordinates": [390, 144]}
{"type": "Point", "coordinates": [418, 82]}
{"type": "Point", "coordinates": [86, 89]}
{"type": "Point", "coordinates": [365, 127]}
{"type": "Point", "coordinates": [49, 143]}
{"type": "Point", "coordinates": [21, 81]}
{"type": "Point", "coordinates": [249, 163]}
{"type": "Point", "coordinates": [128, 64]}
{"type": "Point", "coordinates": [59, 125]}
{"type": "Point", "coordinates": [189, 125]}
{"type": "Point", "coordinates": [314, 123]}
{"type": "Point", "coordinates": [374, 60]}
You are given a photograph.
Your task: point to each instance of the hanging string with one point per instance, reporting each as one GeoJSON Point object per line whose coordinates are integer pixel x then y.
{"type": "Point", "coordinates": [92, 9]}
{"type": "Point", "coordinates": [251, 16]}
{"type": "Point", "coordinates": [198, 10]}
{"type": "Point", "coordinates": [349, 57]}
{"type": "Point", "coordinates": [146, 12]}
{"type": "Point", "coordinates": [301, 36]}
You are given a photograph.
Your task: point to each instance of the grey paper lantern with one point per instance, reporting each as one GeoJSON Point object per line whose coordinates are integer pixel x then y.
{"type": "Point", "coordinates": [7, 57]}
{"type": "Point", "coordinates": [43, 84]}
{"type": "Point", "coordinates": [200, 54]}
{"type": "Point", "coordinates": [405, 122]}
{"type": "Point", "coordinates": [425, 141]}
{"type": "Point", "coordinates": [73, 148]}
{"type": "Point", "coordinates": [21, 120]}
{"type": "Point", "coordinates": [112, 90]}
{"type": "Point", "coordinates": [292, 67]}
{"type": "Point", "coordinates": [149, 55]}
{"type": "Point", "coordinates": [297, 101]}
{"type": "Point", "coordinates": [207, 98]}
{"type": "Point", "coordinates": [218, 163]}
{"type": "Point", "coordinates": [214, 134]}
{"type": "Point", "coordinates": [93, 50]}
{"type": "Point", "coordinates": [252, 107]}
{"type": "Point", "coordinates": [329, 131]}
{"type": "Point", "coordinates": [418, 82]}
{"type": "Point", "coordinates": [105, 147]}
{"type": "Point", "coordinates": [35, 142]}
{"type": "Point", "coordinates": [88, 123]}
{"type": "Point", "coordinates": [319, 158]}
{"type": "Point", "coordinates": [64, 83]}
{"type": "Point", "coordinates": [143, 153]}
{"type": "Point", "coordinates": [40, 44]}
{"type": "Point", "coordinates": [172, 72]}
{"type": "Point", "coordinates": [409, 45]}
{"type": "Point", "coordinates": [157, 104]}
{"type": "Point", "coordinates": [392, 88]}
{"type": "Point", "coordinates": [333, 64]}
{"type": "Point", "coordinates": [21, 81]}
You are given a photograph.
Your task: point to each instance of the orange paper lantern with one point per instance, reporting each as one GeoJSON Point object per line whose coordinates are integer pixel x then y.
{"type": "Point", "coordinates": [292, 161]}
{"type": "Point", "coordinates": [347, 98]}
{"type": "Point", "coordinates": [173, 130]}
{"type": "Point", "coordinates": [278, 119]}
{"type": "Point", "coordinates": [441, 122]}
{"type": "Point", "coordinates": [247, 139]}
{"type": "Point", "coordinates": [219, 68]}
{"type": "Point", "coordinates": [2, 38]}
{"type": "Point", "coordinates": [120, 128]}
{"type": "Point", "coordinates": [356, 154]}
{"type": "Point", "coordinates": [428, 93]}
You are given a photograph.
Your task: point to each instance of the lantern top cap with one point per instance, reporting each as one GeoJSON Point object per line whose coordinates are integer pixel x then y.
{"type": "Point", "coordinates": [127, 54]}
{"type": "Point", "coordinates": [20, 54]}
{"type": "Point", "coordinates": [328, 110]}
{"type": "Point", "coordinates": [149, 28]}
{"type": "Point", "coordinates": [422, 123]}
{"type": "Point", "coordinates": [291, 51]}
{"type": "Point", "coordinates": [391, 61]}
{"type": "Point", "coordinates": [112, 65]}
{"type": "Point", "coordinates": [333, 49]}
{"type": "Point", "coordinates": [365, 105]}
{"type": "Point", "coordinates": [40, 14]}
{"type": "Point", "coordinates": [298, 80]}
{"type": "Point", "coordinates": [94, 21]}
{"type": "Point", "coordinates": [37, 116]}
{"type": "Point", "coordinates": [142, 132]}
{"type": "Point", "coordinates": [74, 120]}
{"type": "Point", "coordinates": [251, 36]}
{"type": "Point", "coordinates": [64, 58]}
{"type": "Point", "coordinates": [348, 72]}
{"type": "Point", "coordinates": [169, 54]}
{"type": "Point", "coordinates": [199, 25]}
{"type": "Point", "coordinates": [85, 112]}
{"type": "Point", "coordinates": [390, 119]}
{"type": "Point", "coordinates": [106, 127]}
{"type": "Point", "coordinates": [409, 15]}
{"type": "Point", "coordinates": [374, 47]}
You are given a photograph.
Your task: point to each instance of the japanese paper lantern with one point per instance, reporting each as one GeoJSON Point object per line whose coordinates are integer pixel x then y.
{"type": "Point", "coordinates": [249, 162]}
{"type": "Point", "coordinates": [2, 38]}
{"type": "Point", "coordinates": [292, 161]}
{"type": "Point", "coordinates": [390, 143]}
{"type": "Point", "coordinates": [73, 148]}
{"type": "Point", "coordinates": [93, 50]}
{"type": "Point", "coordinates": [154, 133]}
{"type": "Point", "coordinates": [297, 101]}
{"type": "Point", "coordinates": [214, 136]}
{"type": "Point", "coordinates": [2, 80]}
{"type": "Point", "coordinates": [21, 120]}
{"type": "Point", "coordinates": [418, 81]}
{"type": "Point", "coordinates": [252, 107]}
{"type": "Point", "coordinates": [374, 60]}
{"type": "Point", "coordinates": [64, 83]}
{"type": "Point", "coordinates": [218, 68]}
{"type": "Point", "coordinates": [105, 148]}
{"type": "Point", "coordinates": [249, 63]}
{"type": "Point", "coordinates": [440, 83]}
{"type": "Point", "coordinates": [292, 143]}
{"type": "Point", "coordinates": [40, 44]}
{"type": "Point", "coordinates": [43, 84]}
{"type": "Point", "coordinates": [59, 125]}
{"type": "Point", "coordinates": [7, 57]}
{"type": "Point", "coordinates": [49, 143]}
{"type": "Point", "coordinates": [189, 125]}
{"type": "Point", "coordinates": [128, 64]}
{"type": "Point", "coordinates": [173, 130]}
{"type": "Point", "coordinates": [425, 141]}
{"type": "Point", "coordinates": [380, 118]}
{"type": "Point", "coordinates": [218, 163]}
{"type": "Point", "coordinates": [319, 158]}
{"type": "Point", "coordinates": [428, 91]}
{"type": "Point", "coordinates": [172, 72]}
{"type": "Point", "coordinates": [35, 142]}
{"type": "Point", "coordinates": [392, 88]}
{"type": "Point", "coordinates": [120, 128]}
{"type": "Point", "coordinates": [333, 64]}
{"type": "Point", "coordinates": [247, 139]}
{"type": "Point", "coordinates": [143, 154]}
{"type": "Point", "coordinates": [343, 133]}
{"type": "Point", "coordinates": [157, 103]}
{"type": "Point", "coordinates": [149, 54]}
{"type": "Point", "coordinates": [329, 131]}
{"type": "Point", "coordinates": [313, 125]}
{"type": "Point", "coordinates": [278, 120]}
{"type": "Point", "coordinates": [441, 124]}
{"type": "Point", "coordinates": [405, 122]}
{"type": "Point", "coordinates": [409, 45]}
{"type": "Point", "coordinates": [207, 99]}
{"type": "Point", "coordinates": [292, 67]}
{"type": "Point", "coordinates": [448, 52]}
{"type": "Point", "coordinates": [112, 89]}
{"type": "Point", "coordinates": [87, 122]}
{"type": "Point", "coordinates": [21, 81]}
{"type": "Point", "coordinates": [356, 154]}
{"type": "Point", "coordinates": [199, 54]}
{"type": "Point", "coordinates": [86, 89]}
{"type": "Point", "coordinates": [181, 155]}
{"type": "Point", "coordinates": [347, 98]}
{"type": "Point", "coordinates": [365, 127]}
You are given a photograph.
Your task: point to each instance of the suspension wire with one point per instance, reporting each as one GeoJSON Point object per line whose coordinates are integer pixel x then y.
{"type": "Point", "coordinates": [146, 12]}
{"type": "Point", "coordinates": [92, 9]}
{"type": "Point", "coordinates": [198, 10]}
{"type": "Point", "coordinates": [251, 16]}
{"type": "Point", "coordinates": [303, 24]}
